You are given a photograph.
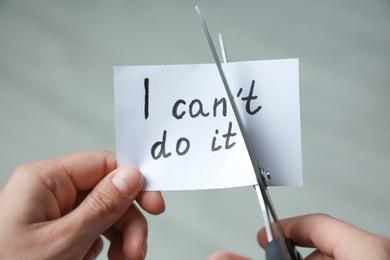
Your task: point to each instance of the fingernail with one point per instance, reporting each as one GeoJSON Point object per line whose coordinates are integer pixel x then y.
{"type": "Point", "coordinates": [127, 180]}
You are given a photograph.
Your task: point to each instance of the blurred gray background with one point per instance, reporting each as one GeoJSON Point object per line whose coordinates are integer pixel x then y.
{"type": "Point", "coordinates": [56, 98]}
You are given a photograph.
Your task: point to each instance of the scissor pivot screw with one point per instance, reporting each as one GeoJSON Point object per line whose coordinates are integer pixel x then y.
{"type": "Point", "coordinates": [266, 176]}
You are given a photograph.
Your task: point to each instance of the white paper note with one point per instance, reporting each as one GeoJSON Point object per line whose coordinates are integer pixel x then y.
{"type": "Point", "coordinates": [175, 123]}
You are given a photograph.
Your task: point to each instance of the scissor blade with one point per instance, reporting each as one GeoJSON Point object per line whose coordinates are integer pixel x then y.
{"type": "Point", "coordinates": [263, 196]}
{"type": "Point", "coordinates": [277, 247]}
{"type": "Point", "coordinates": [229, 94]}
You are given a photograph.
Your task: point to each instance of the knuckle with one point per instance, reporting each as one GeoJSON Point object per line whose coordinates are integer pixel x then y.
{"type": "Point", "coordinates": [22, 169]}
{"type": "Point", "coordinates": [102, 204]}
{"type": "Point", "coordinates": [25, 173]}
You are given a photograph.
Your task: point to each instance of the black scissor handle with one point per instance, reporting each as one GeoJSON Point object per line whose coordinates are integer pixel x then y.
{"type": "Point", "coordinates": [292, 250]}
{"type": "Point", "coordinates": [274, 250]}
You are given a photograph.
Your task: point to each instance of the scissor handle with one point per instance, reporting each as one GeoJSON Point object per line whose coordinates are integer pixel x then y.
{"type": "Point", "coordinates": [275, 250]}
{"type": "Point", "coordinates": [292, 250]}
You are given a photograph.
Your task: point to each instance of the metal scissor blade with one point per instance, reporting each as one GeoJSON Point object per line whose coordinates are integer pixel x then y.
{"type": "Point", "coordinates": [264, 209]}
{"type": "Point", "coordinates": [263, 180]}
{"type": "Point", "coordinates": [259, 172]}
{"type": "Point", "coordinates": [278, 246]}
{"type": "Point", "coordinates": [229, 94]}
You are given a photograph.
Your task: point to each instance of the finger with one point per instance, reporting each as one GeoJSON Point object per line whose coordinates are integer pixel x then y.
{"type": "Point", "coordinates": [95, 250]}
{"type": "Point", "coordinates": [56, 181]}
{"type": "Point", "coordinates": [132, 213]}
{"type": "Point", "coordinates": [318, 231]}
{"type": "Point", "coordinates": [224, 255]}
{"type": "Point", "coordinates": [84, 169]}
{"type": "Point", "coordinates": [115, 250]}
{"type": "Point", "coordinates": [151, 201]}
{"type": "Point", "coordinates": [318, 255]}
{"type": "Point", "coordinates": [81, 195]}
{"type": "Point", "coordinates": [64, 176]}
{"type": "Point", "coordinates": [135, 234]}
{"type": "Point", "coordinates": [132, 227]}
{"type": "Point", "coordinates": [106, 203]}
{"type": "Point", "coordinates": [262, 237]}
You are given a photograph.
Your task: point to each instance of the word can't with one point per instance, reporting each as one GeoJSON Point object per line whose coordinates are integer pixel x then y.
{"type": "Point", "coordinates": [196, 108]}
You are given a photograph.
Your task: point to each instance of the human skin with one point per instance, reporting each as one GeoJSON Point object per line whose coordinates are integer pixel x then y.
{"type": "Point", "coordinates": [59, 208]}
{"type": "Point", "coordinates": [331, 238]}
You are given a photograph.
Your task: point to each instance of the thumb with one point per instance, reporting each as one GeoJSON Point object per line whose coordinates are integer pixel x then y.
{"type": "Point", "coordinates": [107, 202]}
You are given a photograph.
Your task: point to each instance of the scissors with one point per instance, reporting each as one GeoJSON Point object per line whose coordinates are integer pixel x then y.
{"type": "Point", "coordinates": [277, 248]}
